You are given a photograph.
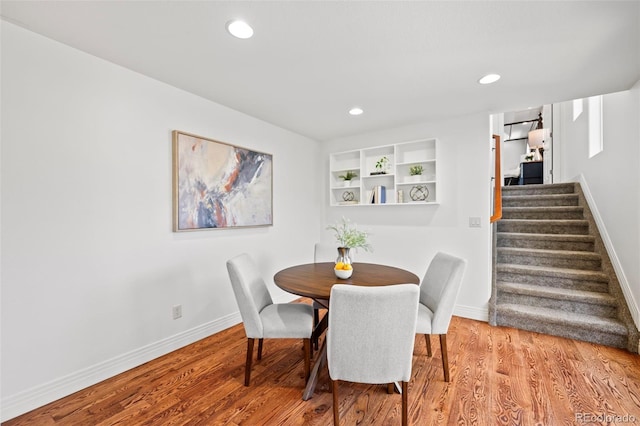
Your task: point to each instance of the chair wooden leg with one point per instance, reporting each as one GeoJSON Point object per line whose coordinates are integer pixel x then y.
{"type": "Point", "coordinates": [405, 403]}
{"type": "Point", "coordinates": [427, 339]}
{"type": "Point", "coordinates": [390, 388]}
{"type": "Point", "coordinates": [260, 348]}
{"type": "Point", "coordinates": [316, 321]}
{"type": "Point", "coordinates": [445, 358]}
{"type": "Point", "coordinates": [307, 358]}
{"type": "Point", "coordinates": [247, 367]}
{"type": "Point", "coordinates": [311, 349]}
{"type": "Point", "coordinates": [336, 415]}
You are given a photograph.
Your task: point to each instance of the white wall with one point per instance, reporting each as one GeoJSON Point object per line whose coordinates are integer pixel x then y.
{"type": "Point", "coordinates": [612, 177]}
{"type": "Point", "coordinates": [512, 152]}
{"type": "Point", "coordinates": [90, 268]}
{"type": "Point", "coordinates": [409, 236]}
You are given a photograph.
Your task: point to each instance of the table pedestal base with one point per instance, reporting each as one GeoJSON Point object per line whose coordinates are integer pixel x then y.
{"type": "Point", "coordinates": [313, 378]}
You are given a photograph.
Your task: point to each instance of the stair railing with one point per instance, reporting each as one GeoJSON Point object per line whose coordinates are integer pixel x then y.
{"type": "Point", "coordinates": [497, 182]}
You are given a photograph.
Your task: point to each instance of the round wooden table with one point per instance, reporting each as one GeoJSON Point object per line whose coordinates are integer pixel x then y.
{"type": "Point", "coordinates": [315, 280]}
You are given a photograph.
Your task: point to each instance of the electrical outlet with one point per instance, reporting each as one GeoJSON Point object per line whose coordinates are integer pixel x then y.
{"type": "Point", "coordinates": [177, 311]}
{"type": "Point", "coordinates": [474, 222]}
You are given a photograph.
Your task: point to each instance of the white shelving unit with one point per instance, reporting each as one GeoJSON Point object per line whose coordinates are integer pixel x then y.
{"type": "Point", "coordinates": [393, 174]}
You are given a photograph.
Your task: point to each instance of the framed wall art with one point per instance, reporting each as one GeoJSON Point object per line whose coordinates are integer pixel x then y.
{"type": "Point", "coordinates": [219, 185]}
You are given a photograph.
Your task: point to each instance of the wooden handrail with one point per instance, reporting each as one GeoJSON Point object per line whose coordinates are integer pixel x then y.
{"type": "Point", "coordinates": [497, 185]}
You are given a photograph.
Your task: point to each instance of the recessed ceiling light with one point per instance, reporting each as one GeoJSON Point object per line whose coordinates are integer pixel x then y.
{"type": "Point", "coordinates": [356, 111]}
{"type": "Point", "coordinates": [489, 78]}
{"type": "Point", "coordinates": [239, 29]}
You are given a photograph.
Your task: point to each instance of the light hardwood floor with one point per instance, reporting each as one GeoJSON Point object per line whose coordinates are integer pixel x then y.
{"type": "Point", "coordinates": [499, 376]}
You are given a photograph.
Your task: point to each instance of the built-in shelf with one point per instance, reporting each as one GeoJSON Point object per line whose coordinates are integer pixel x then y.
{"type": "Point", "coordinates": [386, 167]}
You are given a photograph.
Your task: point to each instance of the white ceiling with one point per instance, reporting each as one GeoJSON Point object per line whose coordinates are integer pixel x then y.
{"type": "Point", "coordinates": [402, 62]}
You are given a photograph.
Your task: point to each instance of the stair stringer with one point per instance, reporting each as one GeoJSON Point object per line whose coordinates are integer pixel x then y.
{"type": "Point", "coordinates": [493, 314]}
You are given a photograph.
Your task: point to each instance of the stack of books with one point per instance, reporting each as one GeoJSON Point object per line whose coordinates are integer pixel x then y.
{"type": "Point", "coordinates": [378, 195]}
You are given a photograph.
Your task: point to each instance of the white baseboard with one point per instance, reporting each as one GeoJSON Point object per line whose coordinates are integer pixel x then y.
{"type": "Point", "coordinates": [472, 312]}
{"type": "Point", "coordinates": [25, 401]}
{"type": "Point", "coordinates": [615, 262]}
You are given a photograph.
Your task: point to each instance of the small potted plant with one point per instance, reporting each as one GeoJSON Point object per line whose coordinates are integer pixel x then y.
{"type": "Point", "coordinates": [415, 172]}
{"type": "Point", "coordinates": [381, 166]}
{"type": "Point", "coordinates": [347, 177]}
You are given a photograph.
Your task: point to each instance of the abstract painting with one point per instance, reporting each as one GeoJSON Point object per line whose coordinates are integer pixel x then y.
{"type": "Point", "coordinates": [218, 185]}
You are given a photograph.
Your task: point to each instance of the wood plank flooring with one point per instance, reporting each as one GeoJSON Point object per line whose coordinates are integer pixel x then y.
{"type": "Point", "coordinates": [499, 376]}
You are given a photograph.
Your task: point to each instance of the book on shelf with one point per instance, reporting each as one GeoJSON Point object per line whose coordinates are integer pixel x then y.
{"type": "Point", "coordinates": [378, 195]}
{"type": "Point", "coordinates": [382, 194]}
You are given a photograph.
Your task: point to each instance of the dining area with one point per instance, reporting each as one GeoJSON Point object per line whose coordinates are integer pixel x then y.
{"type": "Point", "coordinates": [361, 324]}
{"type": "Point", "coordinates": [496, 375]}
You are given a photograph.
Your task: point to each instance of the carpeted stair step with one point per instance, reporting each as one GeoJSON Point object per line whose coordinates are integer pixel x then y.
{"type": "Point", "coordinates": [546, 241]}
{"type": "Point", "coordinates": [539, 200]}
{"type": "Point", "coordinates": [551, 274]}
{"type": "Point", "coordinates": [553, 277]}
{"type": "Point", "coordinates": [577, 301]}
{"type": "Point", "coordinates": [555, 212]}
{"type": "Point", "coordinates": [561, 188]}
{"type": "Point", "coordinates": [589, 328]}
{"type": "Point", "coordinates": [574, 227]}
{"type": "Point", "coordinates": [553, 258]}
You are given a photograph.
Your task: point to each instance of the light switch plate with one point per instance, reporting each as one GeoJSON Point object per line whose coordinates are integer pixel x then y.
{"type": "Point", "coordinates": [474, 222]}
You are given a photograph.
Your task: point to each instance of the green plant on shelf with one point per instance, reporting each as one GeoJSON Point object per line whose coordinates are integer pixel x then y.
{"type": "Point", "coordinates": [382, 165]}
{"type": "Point", "coordinates": [416, 170]}
{"type": "Point", "coordinates": [349, 175]}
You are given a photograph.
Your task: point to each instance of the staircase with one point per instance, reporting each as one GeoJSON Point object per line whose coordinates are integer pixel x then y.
{"type": "Point", "coordinates": [552, 273]}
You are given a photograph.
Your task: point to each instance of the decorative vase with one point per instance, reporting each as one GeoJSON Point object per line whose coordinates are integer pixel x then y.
{"type": "Point", "coordinates": [344, 267]}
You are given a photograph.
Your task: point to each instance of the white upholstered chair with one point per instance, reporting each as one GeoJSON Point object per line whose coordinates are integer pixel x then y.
{"type": "Point", "coordinates": [439, 291]}
{"type": "Point", "coordinates": [370, 337]}
{"type": "Point", "coordinates": [262, 318]}
{"type": "Point", "coordinates": [322, 252]}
